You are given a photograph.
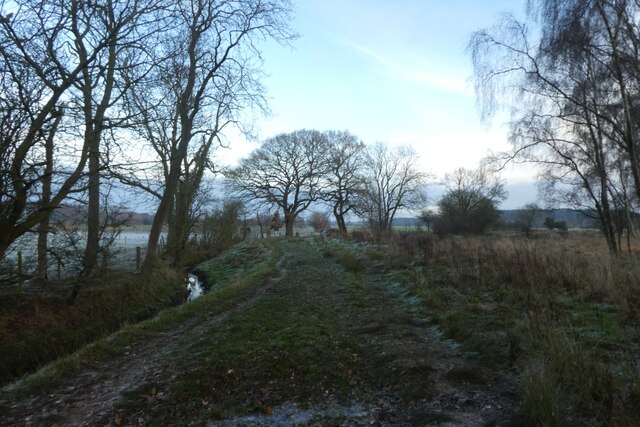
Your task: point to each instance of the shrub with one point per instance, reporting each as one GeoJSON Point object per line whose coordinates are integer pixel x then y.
{"type": "Point", "coordinates": [349, 261]}
{"type": "Point", "coordinates": [221, 228]}
{"type": "Point", "coordinates": [320, 222]}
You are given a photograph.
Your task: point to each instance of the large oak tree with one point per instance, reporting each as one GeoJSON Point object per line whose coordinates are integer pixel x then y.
{"type": "Point", "coordinates": [286, 171]}
{"type": "Point", "coordinates": [344, 177]}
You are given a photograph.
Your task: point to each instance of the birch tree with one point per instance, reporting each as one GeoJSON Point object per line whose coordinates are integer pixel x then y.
{"type": "Point", "coordinates": [572, 88]}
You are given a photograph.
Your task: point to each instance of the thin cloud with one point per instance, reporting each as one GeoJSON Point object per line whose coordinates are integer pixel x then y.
{"type": "Point", "coordinates": [415, 75]}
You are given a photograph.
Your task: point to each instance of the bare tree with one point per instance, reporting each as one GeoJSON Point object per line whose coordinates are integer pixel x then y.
{"type": "Point", "coordinates": [286, 171]}
{"type": "Point", "coordinates": [42, 268]}
{"type": "Point", "coordinates": [102, 85]}
{"type": "Point", "coordinates": [319, 221]}
{"type": "Point", "coordinates": [220, 227]}
{"type": "Point", "coordinates": [428, 217]}
{"type": "Point", "coordinates": [393, 182]}
{"type": "Point", "coordinates": [59, 60]}
{"type": "Point", "coordinates": [574, 98]}
{"type": "Point", "coordinates": [344, 178]}
{"type": "Point", "coordinates": [40, 62]}
{"type": "Point", "coordinates": [528, 216]}
{"type": "Point", "coordinates": [262, 220]}
{"type": "Point", "coordinates": [207, 79]}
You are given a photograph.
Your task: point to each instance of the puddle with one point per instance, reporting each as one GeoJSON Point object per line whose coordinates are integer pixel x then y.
{"type": "Point", "coordinates": [291, 415]}
{"type": "Point", "coordinates": [195, 288]}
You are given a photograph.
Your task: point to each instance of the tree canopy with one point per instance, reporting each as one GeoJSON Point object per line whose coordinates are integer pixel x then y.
{"type": "Point", "coordinates": [570, 75]}
{"type": "Point", "coordinates": [470, 204]}
{"type": "Point", "coordinates": [392, 182]}
{"type": "Point", "coordinates": [286, 171]}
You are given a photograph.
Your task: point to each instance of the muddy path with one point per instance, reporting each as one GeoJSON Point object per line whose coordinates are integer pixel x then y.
{"type": "Point", "coordinates": [87, 397]}
{"type": "Point", "coordinates": [400, 369]}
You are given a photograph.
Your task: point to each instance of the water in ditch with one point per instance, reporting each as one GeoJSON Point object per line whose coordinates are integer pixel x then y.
{"type": "Point", "coordinates": [195, 288]}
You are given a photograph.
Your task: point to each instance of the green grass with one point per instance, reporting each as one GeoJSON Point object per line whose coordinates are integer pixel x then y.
{"type": "Point", "coordinates": [555, 312]}
{"type": "Point", "coordinates": [289, 346]}
{"type": "Point", "coordinates": [38, 328]}
{"type": "Point", "coordinates": [560, 316]}
{"type": "Point", "coordinates": [322, 334]}
{"type": "Point", "coordinates": [222, 296]}
{"type": "Point", "coordinates": [326, 332]}
{"type": "Point", "coordinates": [344, 256]}
{"type": "Point", "coordinates": [232, 265]}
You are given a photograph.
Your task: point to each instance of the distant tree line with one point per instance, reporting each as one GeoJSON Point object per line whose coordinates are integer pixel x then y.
{"type": "Point", "coordinates": [293, 171]}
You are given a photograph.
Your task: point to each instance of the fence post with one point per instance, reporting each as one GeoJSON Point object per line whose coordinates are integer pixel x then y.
{"type": "Point", "coordinates": [20, 271]}
{"type": "Point", "coordinates": [138, 257]}
{"type": "Point", "coordinates": [105, 261]}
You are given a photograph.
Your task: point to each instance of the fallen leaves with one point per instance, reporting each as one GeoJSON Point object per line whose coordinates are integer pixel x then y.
{"type": "Point", "coordinates": [118, 420]}
{"type": "Point", "coordinates": [154, 393]}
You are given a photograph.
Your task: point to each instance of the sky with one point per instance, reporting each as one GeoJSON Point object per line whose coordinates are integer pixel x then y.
{"type": "Point", "coordinates": [388, 70]}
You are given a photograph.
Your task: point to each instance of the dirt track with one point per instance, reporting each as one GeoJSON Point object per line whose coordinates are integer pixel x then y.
{"type": "Point", "coordinates": [413, 377]}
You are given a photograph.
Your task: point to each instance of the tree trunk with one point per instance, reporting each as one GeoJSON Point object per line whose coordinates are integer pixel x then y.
{"type": "Point", "coordinates": [42, 268]}
{"type": "Point", "coordinates": [93, 133]}
{"type": "Point", "coordinates": [92, 248]}
{"type": "Point", "coordinates": [172, 218]}
{"type": "Point", "coordinates": [260, 225]}
{"type": "Point", "coordinates": [151, 255]}
{"type": "Point", "coordinates": [166, 201]}
{"type": "Point", "coordinates": [179, 225]}
{"type": "Point", "coordinates": [183, 219]}
{"type": "Point", "coordinates": [43, 246]}
{"type": "Point", "coordinates": [342, 226]}
{"type": "Point", "coordinates": [288, 224]}
{"type": "Point", "coordinates": [172, 180]}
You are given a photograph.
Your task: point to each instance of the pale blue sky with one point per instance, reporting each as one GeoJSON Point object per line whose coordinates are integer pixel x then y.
{"type": "Point", "coordinates": [388, 70]}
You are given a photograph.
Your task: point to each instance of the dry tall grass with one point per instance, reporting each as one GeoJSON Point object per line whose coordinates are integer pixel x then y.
{"type": "Point", "coordinates": [562, 312]}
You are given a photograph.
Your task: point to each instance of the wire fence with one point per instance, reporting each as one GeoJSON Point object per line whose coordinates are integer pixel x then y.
{"type": "Point", "coordinates": [126, 253]}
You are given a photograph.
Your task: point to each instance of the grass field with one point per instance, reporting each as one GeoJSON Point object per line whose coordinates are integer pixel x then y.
{"type": "Point", "coordinates": [559, 312]}
{"type": "Point", "coordinates": [557, 315]}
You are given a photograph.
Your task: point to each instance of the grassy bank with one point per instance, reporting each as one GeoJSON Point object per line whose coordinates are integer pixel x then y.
{"type": "Point", "coordinates": [36, 328]}
{"type": "Point", "coordinates": [560, 313]}
{"type": "Point", "coordinates": [332, 341]}
{"type": "Point", "coordinates": [40, 325]}
{"type": "Point", "coordinates": [233, 276]}
{"type": "Point", "coordinates": [283, 347]}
